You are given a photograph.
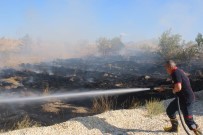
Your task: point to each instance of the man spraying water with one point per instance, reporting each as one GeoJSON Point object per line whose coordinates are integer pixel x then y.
{"type": "Point", "coordinates": [182, 89]}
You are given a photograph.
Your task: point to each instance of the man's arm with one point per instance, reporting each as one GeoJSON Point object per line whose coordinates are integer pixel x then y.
{"type": "Point", "coordinates": [177, 87]}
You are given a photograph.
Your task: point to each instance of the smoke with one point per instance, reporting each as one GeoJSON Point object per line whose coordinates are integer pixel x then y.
{"type": "Point", "coordinates": [29, 50]}
{"type": "Point", "coordinates": [69, 29]}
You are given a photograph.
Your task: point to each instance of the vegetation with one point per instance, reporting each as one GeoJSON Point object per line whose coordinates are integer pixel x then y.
{"type": "Point", "coordinates": [103, 103]}
{"type": "Point", "coordinates": [199, 40]}
{"type": "Point", "coordinates": [154, 107]}
{"type": "Point", "coordinates": [171, 46]}
{"type": "Point", "coordinates": [109, 46]}
{"type": "Point", "coordinates": [131, 103]}
{"type": "Point", "coordinates": [23, 122]}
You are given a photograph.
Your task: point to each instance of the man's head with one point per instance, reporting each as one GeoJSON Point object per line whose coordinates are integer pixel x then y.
{"type": "Point", "coordinates": [170, 66]}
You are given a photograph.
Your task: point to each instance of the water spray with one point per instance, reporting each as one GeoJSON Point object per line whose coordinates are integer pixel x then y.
{"type": "Point", "coordinates": [71, 95]}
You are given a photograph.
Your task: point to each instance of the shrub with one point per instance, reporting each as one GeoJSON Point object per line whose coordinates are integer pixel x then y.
{"type": "Point", "coordinates": [131, 103]}
{"type": "Point", "coordinates": [171, 46]}
{"type": "Point", "coordinates": [17, 122]}
{"type": "Point", "coordinates": [135, 103]}
{"type": "Point", "coordinates": [103, 103]}
{"type": "Point", "coordinates": [109, 46]}
{"type": "Point", "coordinates": [25, 123]}
{"type": "Point", "coordinates": [154, 107]}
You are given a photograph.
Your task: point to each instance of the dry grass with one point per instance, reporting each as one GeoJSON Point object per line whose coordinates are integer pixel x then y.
{"type": "Point", "coordinates": [46, 89]}
{"type": "Point", "coordinates": [135, 103]}
{"type": "Point", "coordinates": [15, 124]}
{"type": "Point", "coordinates": [25, 123]}
{"type": "Point", "coordinates": [103, 103]}
{"type": "Point", "coordinates": [154, 107]}
{"type": "Point", "coordinates": [13, 81]}
{"type": "Point", "coordinates": [131, 103]}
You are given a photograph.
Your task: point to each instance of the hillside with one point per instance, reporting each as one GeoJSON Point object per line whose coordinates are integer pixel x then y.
{"type": "Point", "coordinates": [119, 122]}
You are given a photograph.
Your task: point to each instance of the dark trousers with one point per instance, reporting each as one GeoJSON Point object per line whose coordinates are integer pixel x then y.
{"type": "Point", "coordinates": [186, 109]}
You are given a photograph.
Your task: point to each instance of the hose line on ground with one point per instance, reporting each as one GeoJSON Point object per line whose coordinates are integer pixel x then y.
{"type": "Point", "coordinates": [181, 119]}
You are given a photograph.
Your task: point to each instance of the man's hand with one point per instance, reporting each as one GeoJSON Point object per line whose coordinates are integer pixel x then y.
{"type": "Point", "coordinates": [174, 92]}
{"type": "Point", "coordinates": [159, 89]}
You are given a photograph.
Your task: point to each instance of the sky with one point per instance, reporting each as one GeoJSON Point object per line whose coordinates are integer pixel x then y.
{"type": "Point", "coordinates": [72, 20]}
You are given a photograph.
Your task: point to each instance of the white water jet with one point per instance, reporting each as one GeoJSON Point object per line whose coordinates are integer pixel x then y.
{"type": "Point", "coordinates": [71, 95]}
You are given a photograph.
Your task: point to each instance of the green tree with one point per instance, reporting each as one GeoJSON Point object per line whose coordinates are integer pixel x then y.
{"type": "Point", "coordinates": [104, 46]}
{"type": "Point", "coordinates": [109, 46]}
{"type": "Point", "coordinates": [199, 40]}
{"type": "Point", "coordinates": [169, 45]}
{"type": "Point", "coordinates": [116, 45]}
{"type": "Point", "coordinates": [188, 51]}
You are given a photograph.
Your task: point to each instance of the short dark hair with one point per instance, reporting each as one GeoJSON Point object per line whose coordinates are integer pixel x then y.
{"type": "Point", "coordinates": [170, 63]}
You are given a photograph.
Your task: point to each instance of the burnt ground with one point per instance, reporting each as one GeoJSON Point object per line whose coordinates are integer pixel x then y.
{"type": "Point", "coordinates": [83, 74]}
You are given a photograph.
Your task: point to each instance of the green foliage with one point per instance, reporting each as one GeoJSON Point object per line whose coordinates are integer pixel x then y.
{"type": "Point", "coordinates": [109, 46]}
{"type": "Point", "coordinates": [188, 51]}
{"type": "Point", "coordinates": [104, 46]}
{"type": "Point", "coordinates": [171, 46]}
{"type": "Point", "coordinates": [199, 40]}
{"type": "Point", "coordinates": [116, 44]}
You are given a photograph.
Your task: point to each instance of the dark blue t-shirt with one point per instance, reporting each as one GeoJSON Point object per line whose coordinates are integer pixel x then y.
{"type": "Point", "coordinates": [186, 94]}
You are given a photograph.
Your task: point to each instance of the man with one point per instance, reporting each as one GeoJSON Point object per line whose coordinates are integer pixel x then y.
{"type": "Point", "coordinates": [183, 90]}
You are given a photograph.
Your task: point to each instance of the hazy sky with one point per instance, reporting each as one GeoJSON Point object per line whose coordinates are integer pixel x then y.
{"type": "Point", "coordinates": [67, 20]}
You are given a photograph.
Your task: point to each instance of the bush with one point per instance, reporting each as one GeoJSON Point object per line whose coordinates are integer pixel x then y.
{"type": "Point", "coordinates": [171, 46]}
{"type": "Point", "coordinates": [25, 123]}
{"type": "Point", "coordinates": [199, 40]}
{"type": "Point", "coordinates": [131, 103]}
{"type": "Point", "coordinates": [109, 46]}
{"type": "Point", "coordinates": [103, 103]}
{"type": "Point", "coordinates": [187, 53]}
{"type": "Point", "coordinates": [17, 122]}
{"type": "Point", "coordinates": [154, 107]}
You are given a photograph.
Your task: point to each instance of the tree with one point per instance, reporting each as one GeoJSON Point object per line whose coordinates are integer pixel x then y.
{"type": "Point", "coordinates": [199, 40]}
{"type": "Point", "coordinates": [104, 46]}
{"type": "Point", "coordinates": [109, 46]}
{"type": "Point", "coordinates": [188, 51]}
{"type": "Point", "coordinates": [116, 45]}
{"type": "Point", "coordinates": [169, 45]}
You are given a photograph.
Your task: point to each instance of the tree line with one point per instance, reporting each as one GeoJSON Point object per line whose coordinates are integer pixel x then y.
{"type": "Point", "coordinates": [170, 46]}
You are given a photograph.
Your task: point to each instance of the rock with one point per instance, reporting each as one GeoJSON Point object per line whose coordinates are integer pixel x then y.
{"type": "Point", "coordinates": [147, 77]}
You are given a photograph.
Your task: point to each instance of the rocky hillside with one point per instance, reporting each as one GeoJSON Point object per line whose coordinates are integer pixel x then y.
{"type": "Point", "coordinates": [119, 122]}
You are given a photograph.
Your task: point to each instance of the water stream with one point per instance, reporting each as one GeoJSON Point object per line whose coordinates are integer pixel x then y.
{"type": "Point", "coordinates": [70, 95]}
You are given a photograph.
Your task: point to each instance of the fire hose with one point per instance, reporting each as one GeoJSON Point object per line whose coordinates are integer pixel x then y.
{"type": "Point", "coordinates": [179, 110]}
